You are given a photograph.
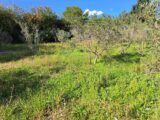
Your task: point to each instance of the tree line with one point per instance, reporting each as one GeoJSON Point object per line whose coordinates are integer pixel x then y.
{"type": "Point", "coordinates": [18, 26]}
{"type": "Point", "coordinates": [42, 25]}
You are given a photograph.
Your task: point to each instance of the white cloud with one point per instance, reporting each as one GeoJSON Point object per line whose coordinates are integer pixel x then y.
{"type": "Point", "coordinates": [93, 12]}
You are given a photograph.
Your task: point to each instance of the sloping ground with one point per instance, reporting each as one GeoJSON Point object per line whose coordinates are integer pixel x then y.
{"type": "Point", "coordinates": [58, 83]}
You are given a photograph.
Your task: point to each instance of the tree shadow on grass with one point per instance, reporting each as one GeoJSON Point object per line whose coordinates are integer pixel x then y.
{"type": "Point", "coordinates": [16, 54]}
{"type": "Point", "coordinates": [11, 52]}
{"type": "Point", "coordinates": [15, 83]}
{"type": "Point", "coordinates": [125, 58]}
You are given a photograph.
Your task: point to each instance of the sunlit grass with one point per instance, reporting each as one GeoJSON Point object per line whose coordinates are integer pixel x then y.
{"type": "Point", "coordinates": [58, 82]}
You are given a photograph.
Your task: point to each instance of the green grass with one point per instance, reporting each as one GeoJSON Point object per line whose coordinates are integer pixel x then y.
{"type": "Point", "coordinates": [58, 83]}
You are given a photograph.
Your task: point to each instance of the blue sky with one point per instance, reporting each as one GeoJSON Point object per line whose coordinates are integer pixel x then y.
{"type": "Point", "coordinates": [109, 7]}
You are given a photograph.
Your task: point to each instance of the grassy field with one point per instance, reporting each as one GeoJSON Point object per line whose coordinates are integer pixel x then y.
{"type": "Point", "coordinates": [59, 83]}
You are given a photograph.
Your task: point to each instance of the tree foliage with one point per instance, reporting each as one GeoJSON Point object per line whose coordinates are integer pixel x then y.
{"type": "Point", "coordinates": [9, 26]}
{"type": "Point", "coordinates": [73, 15]}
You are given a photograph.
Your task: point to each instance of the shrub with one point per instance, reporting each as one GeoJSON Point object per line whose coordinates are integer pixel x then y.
{"type": "Point", "coordinates": [62, 35]}
{"type": "Point", "coordinates": [5, 37]}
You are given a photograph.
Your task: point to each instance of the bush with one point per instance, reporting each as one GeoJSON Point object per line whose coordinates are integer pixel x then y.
{"type": "Point", "coordinates": [63, 36]}
{"type": "Point", "coordinates": [5, 37]}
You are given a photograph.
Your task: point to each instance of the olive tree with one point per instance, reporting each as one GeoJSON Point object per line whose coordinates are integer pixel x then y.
{"type": "Point", "coordinates": [31, 34]}
{"type": "Point", "coordinates": [99, 35]}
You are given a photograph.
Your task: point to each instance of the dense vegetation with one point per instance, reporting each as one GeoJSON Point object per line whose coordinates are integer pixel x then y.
{"type": "Point", "coordinates": [97, 68]}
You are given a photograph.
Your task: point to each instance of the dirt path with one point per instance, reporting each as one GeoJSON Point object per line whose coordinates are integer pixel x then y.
{"type": "Point", "coordinates": [6, 52]}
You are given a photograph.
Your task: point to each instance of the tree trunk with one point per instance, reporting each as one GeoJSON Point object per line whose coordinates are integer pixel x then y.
{"type": "Point", "coordinates": [95, 60]}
